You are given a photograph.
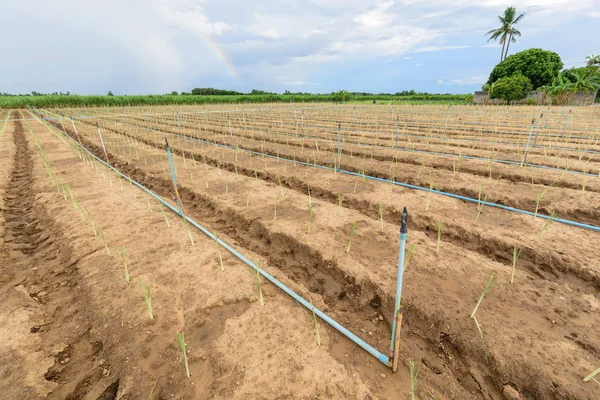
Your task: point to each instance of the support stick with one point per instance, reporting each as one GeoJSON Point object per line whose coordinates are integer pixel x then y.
{"type": "Point", "coordinates": [397, 321]}
{"type": "Point", "coordinates": [102, 141]}
{"type": "Point", "coordinates": [179, 203]}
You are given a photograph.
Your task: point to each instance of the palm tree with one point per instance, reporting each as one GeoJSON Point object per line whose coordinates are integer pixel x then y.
{"type": "Point", "coordinates": [593, 60]}
{"type": "Point", "coordinates": [507, 32]}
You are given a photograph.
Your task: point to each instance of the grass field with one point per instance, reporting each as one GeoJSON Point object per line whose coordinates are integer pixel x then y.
{"type": "Point", "coordinates": [312, 194]}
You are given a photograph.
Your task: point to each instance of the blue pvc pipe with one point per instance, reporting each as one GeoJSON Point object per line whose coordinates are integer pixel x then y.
{"type": "Point", "coordinates": [407, 185]}
{"type": "Point", "coordinates": [367, 347]}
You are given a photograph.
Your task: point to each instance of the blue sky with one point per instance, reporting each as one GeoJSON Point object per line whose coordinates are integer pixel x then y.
{"type": "Point", "coordinates": [156, 46]}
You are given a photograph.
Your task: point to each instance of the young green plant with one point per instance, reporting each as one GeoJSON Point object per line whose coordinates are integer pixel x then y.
{"type": "Point", "coordinates": [181, 340]}
{"type": "Point", "coordinates": [516, 254]}
{"type": "Point", "coordinates": [256, 275]}
{"type": "Point", "coordinates": [480, 203]}
{"type": "Point", "coordinates": [414, 379]}
{"type": "Point", "coordinates": [315, 322]}
{"type": "Point", "coordinates": [147, 298]}
{"type": "Point", "coordinates": [491, 283]}
{"type": "Point", "coordinates": [439, 237]}
{"type": "Point", "coordinates": [548, 222]}
{"type": "Point", "coordinates": [351, 236]}
{"type": "Point", "coordinates": [122, 248]}
{"type": "Point", "coordinates": [310, 214]}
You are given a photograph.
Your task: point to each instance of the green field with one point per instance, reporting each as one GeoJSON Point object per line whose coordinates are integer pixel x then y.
{"type": "Point", "coordinates": [45, 101]}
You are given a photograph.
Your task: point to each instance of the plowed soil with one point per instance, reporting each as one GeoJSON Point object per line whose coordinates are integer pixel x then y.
{"type": "Point", "coordinates": [74, 328]}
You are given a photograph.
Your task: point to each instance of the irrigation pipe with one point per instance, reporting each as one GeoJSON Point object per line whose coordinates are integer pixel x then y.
{"type": "Point", "coordinates": [407, 185]}
{"type": "Point", "coordinates": [435, 153]}
{"type": "Point", "coordinates": [367, 347]}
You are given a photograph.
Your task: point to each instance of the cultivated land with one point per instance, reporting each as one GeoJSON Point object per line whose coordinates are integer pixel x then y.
{"type": "Point", "coordinates": [478, 182]}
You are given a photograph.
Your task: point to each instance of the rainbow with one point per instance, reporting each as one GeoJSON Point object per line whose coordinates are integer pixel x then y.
{"type": "Point", "coordinates": [220, 54]}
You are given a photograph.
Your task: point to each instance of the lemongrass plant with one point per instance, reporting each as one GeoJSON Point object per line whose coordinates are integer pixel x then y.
{"type": "Point", "coordinates": [516, 254]}
{"type": "Point", "coordinates": [439, 237]}
{"type": "Point", "coordinates": [409, 254]}
{"type": "Point", "coordinates": [429, 194]}
{"type": "Point", "coordinates": [315, 322]}
{"type": "Point", "coordinates": [256, 275]}
{"type": "Point", "coordinates": [122, 248]}
{"type": "Point", "coordinates": [491, 283]}
{"type": "Point", "coordinates": [414, 379]}
{"type": "Point", "coordinates": [351, 237]}
{"type": "Point", "coordinates": [181, 340]}
{"type": "Point", "coordinates": [219, 251]}
{"type": "Point", "coordinates": [147, 298]}
{"type": "Point", "coordinates": [591, 376]}
{"type": "Point", "coordinates": [548, 222]}
{"type": "Point", "coordinates": [381, 215]}
{"type": "Point", "coordinates": [101, 231]}
{"type": "Point", "coordinates": [310, 214]}
{"type": "Point", "coordinates": [480, 203]}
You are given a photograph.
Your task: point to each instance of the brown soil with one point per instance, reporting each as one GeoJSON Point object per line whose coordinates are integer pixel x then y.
{"type": "Point", "coordinates": [87, 334]}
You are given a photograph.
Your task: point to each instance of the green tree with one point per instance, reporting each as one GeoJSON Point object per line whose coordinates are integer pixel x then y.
{"type": "Point", "coordinates": [110, 93]}
{"type": "Point", "coordinates": [174, 93]}
{"type": "Point", "coordinates": [540, 66]}
{"type": "Point", "coordinates": [341, 95]}
{"type": "Point", "coordinates": [507, 33]}
{"type": "Point", "coordinates": [509, 88]}
{"type": "Point", "coordinates": [593, 60]}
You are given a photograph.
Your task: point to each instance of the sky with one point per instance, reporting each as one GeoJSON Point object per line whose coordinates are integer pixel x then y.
{"type": "Point", "coordinates": [318, 46]}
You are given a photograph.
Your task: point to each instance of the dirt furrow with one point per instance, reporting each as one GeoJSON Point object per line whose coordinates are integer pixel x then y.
{"type": "Point", "coordinates": [550, 266]}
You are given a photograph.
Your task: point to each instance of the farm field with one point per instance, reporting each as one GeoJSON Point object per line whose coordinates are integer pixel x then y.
{"type": "Point", "coordinates": [501, 200]}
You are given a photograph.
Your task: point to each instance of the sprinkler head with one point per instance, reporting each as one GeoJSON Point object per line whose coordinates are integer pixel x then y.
{"type": "Point", "coordinates": [404, 221]}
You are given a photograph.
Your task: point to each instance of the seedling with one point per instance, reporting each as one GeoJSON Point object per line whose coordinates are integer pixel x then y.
{"type": "Point", "coordinates": [516, 254]}
{"type": "Point", "coordinates": [429, 194]}
{"type": "Point", "coordinates": [181, 340]}
{"type": "Point", "coordinates": [315, 322]}
{"type": "Point", "coordinates": [275, 209]}
{"type": "Point", "coordinates": [591, 376]}
{"type": "Point", "coordinates": [381, 215]}
{"type": "Point", "coordinates": [414, 379]}
{"type": "Point", "coordinates": [147, 298]}
{"type": "Point", "coordinates": [548, 222]}
{"type": "Point", "coordinates": [409, 254]}
{"type": "Point", "coordinates": [491, 283]}
{"type": "Point", "coordinates": [439, 237]}
{"type": "Point", "coordinates": [163, 214]}
{"type": "Point", "coordinates": [256, 275]}
{"type": "Point", "coordinates": [351, 236]}
{"type": "Point", "coordinates": [310, 214]}
{"type": "Point", "coordinates": [480, 203]}
{"type": "Point", "coordinates": [219, 251]}
{"type": "Point", "coordinates": [538, 199]}
{"type": "Point", "coordinates": [187, 227]}
{"type": "Point", "coordinates": [103, 240]}
{"type": "Point", "coordinates": [125, 264]}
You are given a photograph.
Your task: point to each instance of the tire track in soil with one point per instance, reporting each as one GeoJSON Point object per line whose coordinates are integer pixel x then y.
{"type": "Point", "coordinates": [546, 266]}
{"type": "Point", "coordinates": [350, 301]}
{"type": "Point", "coordinates": [30, 234]}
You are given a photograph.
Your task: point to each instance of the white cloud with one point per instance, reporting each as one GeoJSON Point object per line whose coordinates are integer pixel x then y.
{"type": "Point", "coordinates": [440, 82]}
{"type": "Point", "coordinates": [420, 64]}
{"type": "Point", "coordinates": [473, 80]}
{"type": "Point", "coordinates": [439, 48]}
{"type": "Point", "coordinates": [491, 45]}
{"type": "Point", "coordinates": [408, 58]}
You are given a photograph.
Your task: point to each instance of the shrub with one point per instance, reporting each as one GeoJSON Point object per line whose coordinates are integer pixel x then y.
{"type": "Point", "coordinates": [540, 66]}
{"type": "Point", "coordinates": [511, 88]}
